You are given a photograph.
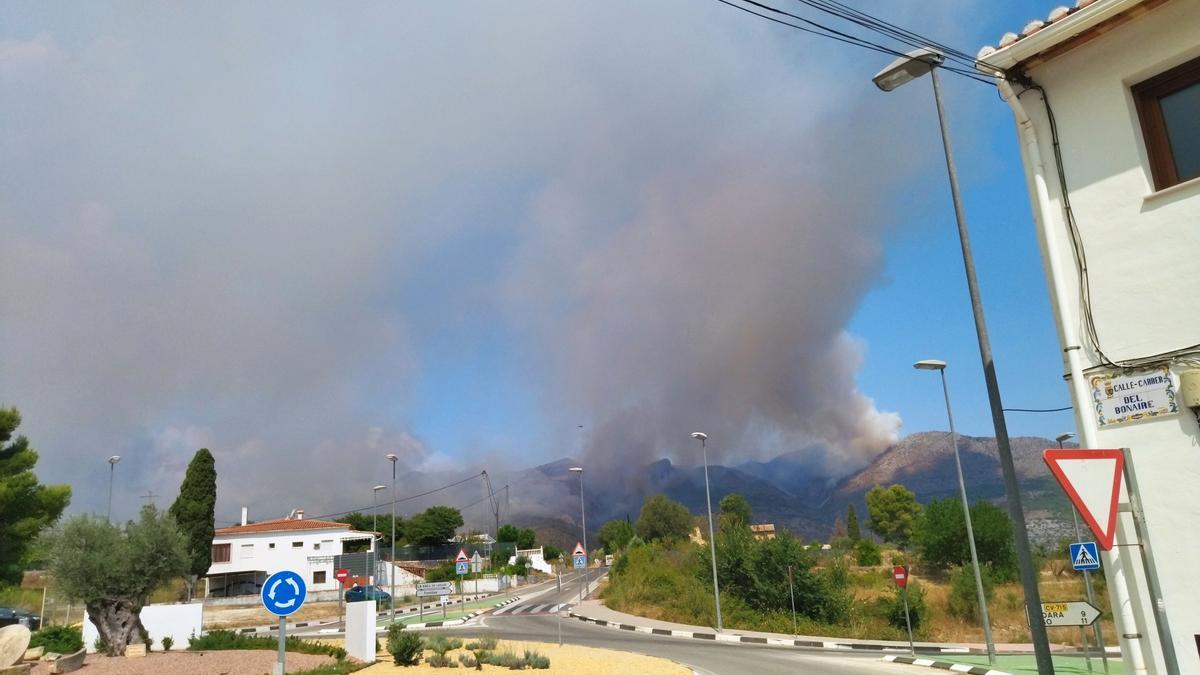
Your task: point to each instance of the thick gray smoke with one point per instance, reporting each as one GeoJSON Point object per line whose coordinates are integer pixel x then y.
{"type": "Point", "coordinates": [246, 231]}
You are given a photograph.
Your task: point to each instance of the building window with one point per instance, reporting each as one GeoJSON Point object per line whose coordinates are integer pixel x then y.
{"type": "Point", "coordinates": [319, 577]}
{"type": "Point", "coordinates": [297, 544]}
{"type": "Point", "coordinates": [247, 551]}
{"type": "Point", "coordinates": [317, 546]}
{"type": "Point", "coordinates": [271, 545]}
{"type": "Point", "coordinates": [1168, 107]}
{"type": "Point", "coordinates": [220, 553]}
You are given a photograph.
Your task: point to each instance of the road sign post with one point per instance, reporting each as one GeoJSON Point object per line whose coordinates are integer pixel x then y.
{"type": "Point", "coordinates": [1085, 557]}
{"type": "Point", "coordinates": [461, 566]}
{"type": "Point", "coordinates": [579, 561]}
{"type": "Point", "coordinates": [282, 594]}
{"type": "Point", "coordinates": [900, 576]}
{"type": "Point", "coordinates": [341, 575]}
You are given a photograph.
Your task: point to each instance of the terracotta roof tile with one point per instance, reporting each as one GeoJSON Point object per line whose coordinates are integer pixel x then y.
{"type": "Point", "coordinates": [1057, 14]}
{"type": "Point", "coordinates": [281, 525]}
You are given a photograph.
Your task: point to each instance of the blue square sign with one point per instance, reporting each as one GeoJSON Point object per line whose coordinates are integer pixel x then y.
{"type": "Point", "coordinates": [460, 567]}
{"type": "Point", "coordinates": [1084, 556]}
{"type": "Point", "coordinates": [580, 561]}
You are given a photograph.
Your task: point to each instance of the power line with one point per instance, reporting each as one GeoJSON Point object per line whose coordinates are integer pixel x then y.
{"type": "Point", "coordinates": [405, 499]}
{"type": "Point", "coordinates": [1037, 410]}
{"type": "Point", "coordinates": [965, 67]}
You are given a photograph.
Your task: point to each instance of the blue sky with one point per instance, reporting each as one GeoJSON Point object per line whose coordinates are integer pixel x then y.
{"type": "Point", "coordinates": [306, 236]}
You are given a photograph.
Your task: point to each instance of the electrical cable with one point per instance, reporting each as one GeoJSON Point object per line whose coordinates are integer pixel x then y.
{"type": "Point", "coordinates": [1038, 410]}
{"type": "Point", "coordinates": [404, 499]}
{"type": "Point", "coordinates": [822, 30]}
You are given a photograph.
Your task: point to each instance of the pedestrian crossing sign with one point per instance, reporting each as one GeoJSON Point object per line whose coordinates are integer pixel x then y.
{"type": "Point", "coordinates": [1084, 556]}
{"type": "Point", "coordinates": [580, 561]}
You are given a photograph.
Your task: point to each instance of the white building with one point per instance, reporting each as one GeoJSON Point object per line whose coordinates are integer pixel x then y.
{"type": "Point", "coordinates": [1115, 84]}
{"type": "Point", "coordinates": [243, 556]}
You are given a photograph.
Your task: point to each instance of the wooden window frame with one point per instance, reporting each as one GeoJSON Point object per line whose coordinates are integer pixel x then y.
{"type": "Point", "coordinates": [222, 553]}
{"type": "Point", "coordinates": [322, 577]}
{"type": "Point", "coordinates": [1146, 95]}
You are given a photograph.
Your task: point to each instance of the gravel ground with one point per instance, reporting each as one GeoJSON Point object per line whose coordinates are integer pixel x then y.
{"type": "Point", "coordinates": [233, 662]}
{"type": "Point", "coordinates": [570, 659]}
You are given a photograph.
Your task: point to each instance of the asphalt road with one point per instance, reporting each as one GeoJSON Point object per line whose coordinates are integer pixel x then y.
{"type": "Point", "coordinates": [704, 656]}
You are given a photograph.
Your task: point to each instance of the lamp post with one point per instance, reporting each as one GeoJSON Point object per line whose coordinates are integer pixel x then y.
{"type": "Point", "coordinates": [375, 535]}
{"type": "Point", "coordinates": [392, 572]}
{"type": "Point", "coordinates": [940, 367]}
{"type": "Point", "coordinates": [583, 522]}
{"type": "Point", "coordinates": [905, 69]}
{"type": "Point", "coordinates": [112, 469]}
{"type": "Point", "coordinates": [712, 541]}
{"type": "Point", "coordinates": [1087, 581]}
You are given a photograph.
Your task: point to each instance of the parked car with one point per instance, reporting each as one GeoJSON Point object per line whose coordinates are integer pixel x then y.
{"type": "Point", "coordinates": [10, 616]}
{"type": "Point", "coordinates": [359, 593]}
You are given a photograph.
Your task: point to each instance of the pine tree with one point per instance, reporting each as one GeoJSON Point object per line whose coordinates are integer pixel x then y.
{"type": "Point", "coordinates": [852, 530]}
{"type": "Point", "coordinates": [26, 506]}
{"type": "Point", "coordinates": [193, 512]}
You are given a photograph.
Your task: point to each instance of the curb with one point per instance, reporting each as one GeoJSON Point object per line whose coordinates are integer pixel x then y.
{"type": "Point", "coordinates": [461, 620]}
{"type": "Point", "coordinates": [944, 665]}
{"type": "Point", "coordinates": [324, 622]}
{"type": "Point", "coordinates": [777, 642]}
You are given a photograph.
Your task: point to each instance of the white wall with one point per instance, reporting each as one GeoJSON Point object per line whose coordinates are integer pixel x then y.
{"type": "Point", "coordinates": [1143, 250]}
{"type": "Point", "coordinates": [179, 621]}
{"type": "Point", "coordinates": [361, 640]}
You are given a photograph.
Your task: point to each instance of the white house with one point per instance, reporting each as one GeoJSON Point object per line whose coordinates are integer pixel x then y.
{"type": "Point", "coordinates": [1106, 97]}
{"type": "Point", "coordinates": [243, 556]}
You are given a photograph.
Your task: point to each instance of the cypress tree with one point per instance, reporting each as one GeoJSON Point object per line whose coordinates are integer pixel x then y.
{"type": "Point", "coordinates": [852, 524]}
{"type": "Point", "coordinates": [194, 511]}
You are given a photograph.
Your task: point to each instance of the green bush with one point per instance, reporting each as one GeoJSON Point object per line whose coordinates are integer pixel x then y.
{"type": "Point", "coordinates": [505, 659]}
{"type": "Point", "coordinates": [58, 639]}
{"type": "Point", "coordinates": [440, 661]}
{"type": "Point", "coordinates": [469, 661]}
{"type": "Point", "coordinates": [167, 643]}
{"type": "Point", "coordinates": [536, 661]}
{"type": "Point", "coordinates": [866, 553]}
{"type": "Point", "coordinates": [404, 646]}
{"type": "Point", "coordinates": [219, 640]}
{"type": "Point", "coordinates": [489, 641]}
{"type": "Point", "coordinates": [964, 599]}
{"type": "Point", "coordinates": [916, 607]}
{"type": "Point", "coordinates": [440, 644]}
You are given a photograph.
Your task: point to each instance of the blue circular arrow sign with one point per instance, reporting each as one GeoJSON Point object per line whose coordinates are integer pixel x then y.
{"type": "Point", "coordinates": [283, 593]}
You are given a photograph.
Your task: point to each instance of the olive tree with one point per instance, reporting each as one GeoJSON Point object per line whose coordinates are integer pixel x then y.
{"type": "Point", "coordinates": [112, 569]}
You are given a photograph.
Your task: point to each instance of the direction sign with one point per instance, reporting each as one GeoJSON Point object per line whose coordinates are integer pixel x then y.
{"type": "Point", "coordinates": [1084, 556]}
{"type": "Point", "coordinates": [435, 588]}
{"type": "Point", "coordinates": [900, 575]}
{"type": "Point", "coordinates": [1076, 613]}
{"type": "Point", "coordinates": [1092, 480]}
{"type": "Point", "coordinates": [341, 575]}
{"type": "Point", "coordinates": [283, 593]}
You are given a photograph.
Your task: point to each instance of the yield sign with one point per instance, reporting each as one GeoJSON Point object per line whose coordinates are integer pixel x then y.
{"type": "Point", "coordinates": [462, 557]}
{"type": "Point", "coordinates": [579, 549]}
{"type": "Point", "coordinates": [1092, 480]}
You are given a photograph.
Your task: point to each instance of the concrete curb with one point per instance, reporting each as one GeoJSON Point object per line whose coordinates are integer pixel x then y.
{"type": "Point", "coordinates": [461, 620]}
{"type": "Point", "coordinates": [755, 639]}
{"type": "Point", "coordinates": [944, 665]}
{"type": "Point", "coordinates": [325, 622]}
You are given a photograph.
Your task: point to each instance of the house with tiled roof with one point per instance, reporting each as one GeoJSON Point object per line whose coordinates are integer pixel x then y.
{"type": "Point", "coordinates": [1106, 100]}
{"type": "Point", "coordinates": [244, 555]}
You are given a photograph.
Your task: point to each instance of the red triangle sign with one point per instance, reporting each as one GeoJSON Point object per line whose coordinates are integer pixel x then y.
{"type": "Point", "coordinates": [579, 549]}
{"type": "Point", "coordinates": [462, 556]}
{"type": "Point", "coordinates": [1092, 481]}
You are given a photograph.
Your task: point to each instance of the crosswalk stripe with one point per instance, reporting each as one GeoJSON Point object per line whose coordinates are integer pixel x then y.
{"type": "Point", "coordinates": [503, 609]}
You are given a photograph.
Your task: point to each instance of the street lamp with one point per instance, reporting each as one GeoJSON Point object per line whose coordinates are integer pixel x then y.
{"type": "Point", "coordinates": [583, 521]}
{"type": "Point", "coordinates": [112, 469]}
{"type": "Point", "coordinates": [940, 366]}
{"type": "Point", "coordinates": [375, 529]}
{"type": "Point", "coordinates": [392, 572]}
{"type": "Point", "coordinates": [909, 67]}
{"type": "Point", "coordinates": [712, 541]}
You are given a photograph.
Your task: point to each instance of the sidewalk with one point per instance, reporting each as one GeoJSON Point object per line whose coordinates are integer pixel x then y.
{"type": "Point", "coordinates": [596, 612]}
